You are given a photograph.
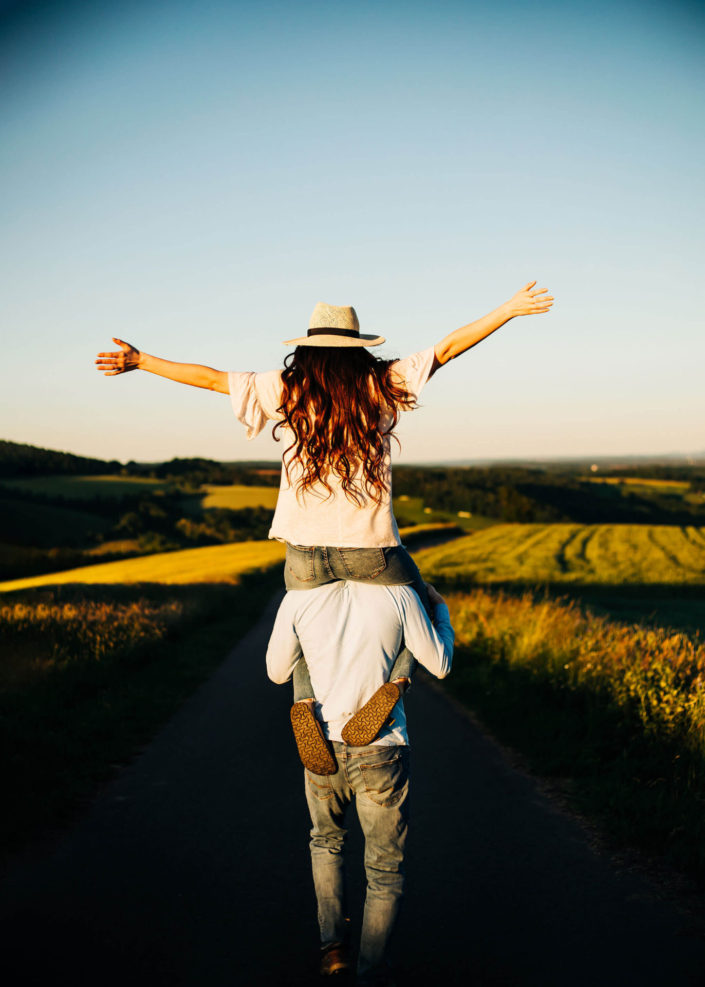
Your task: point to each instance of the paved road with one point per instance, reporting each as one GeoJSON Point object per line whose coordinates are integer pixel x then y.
{"type": "Point", "coordinates": [192, 869]}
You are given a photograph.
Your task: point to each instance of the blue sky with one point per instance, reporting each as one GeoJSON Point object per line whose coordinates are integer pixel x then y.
{"type": "Point", "coordinates": [195, 177]}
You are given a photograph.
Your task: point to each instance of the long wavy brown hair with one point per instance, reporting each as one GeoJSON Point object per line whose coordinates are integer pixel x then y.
{"type": "Point", "coordinates": [334, 400]}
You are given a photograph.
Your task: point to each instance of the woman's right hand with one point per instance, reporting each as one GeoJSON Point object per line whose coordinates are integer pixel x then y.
{"type": "Point", "coordinates": [530, 300]}
{"type": "Point", "coordinates": [119, 362]}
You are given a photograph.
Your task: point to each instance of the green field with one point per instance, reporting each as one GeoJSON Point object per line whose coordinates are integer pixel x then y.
{"type": "Point", "coordinates": [46, 525]}
{"type": "Point", "coordinates": [87, 487]}
{"type": "Point", "coordinates": [572, 553]}
{"type": "Point", "coordinates": [413, 510]}
{"type": "Point", "coordinates": [627, 485]}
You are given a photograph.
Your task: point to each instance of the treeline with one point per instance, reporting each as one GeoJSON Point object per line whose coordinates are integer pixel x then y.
{"type": "Point", "coordinates": [196, 472]}
{"type": "Point", "coordinates": [17, 460]}
{"type": "Point", "coordinates": [160, 525]}
{"type": "Point", "coordinates": [528, 495]}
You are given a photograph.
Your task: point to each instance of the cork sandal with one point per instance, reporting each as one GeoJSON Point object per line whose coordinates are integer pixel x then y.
{"type": "Point", "coordinates": [314, 749]}
{"type": "Point", "coordinates": [363, 727]}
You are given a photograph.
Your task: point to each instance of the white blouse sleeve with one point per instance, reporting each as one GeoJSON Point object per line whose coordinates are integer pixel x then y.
{"type": "Point", "coordinates": [413, 371]}
{"type": "Point", "coordinates": [247, 406]}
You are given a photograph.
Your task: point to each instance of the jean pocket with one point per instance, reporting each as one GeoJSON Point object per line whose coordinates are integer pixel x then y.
{"type": "Point", "coordinates": [363, 563]}
{"type": "Point", "coordinates": [299, 563]}
{"type": "Point", "coordinates": [387, 779]}
{"type": "Point", "coordinates": [319, 786]}
{"type": "Point", "coordinates": [401, 568]}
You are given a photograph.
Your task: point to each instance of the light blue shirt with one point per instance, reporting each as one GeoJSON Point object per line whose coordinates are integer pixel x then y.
{"type": "Point", "coordinates": [351, 634]}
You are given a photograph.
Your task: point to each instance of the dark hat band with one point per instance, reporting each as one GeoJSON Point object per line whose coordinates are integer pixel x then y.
{"type": "Point", "coordinates": [334, 332]}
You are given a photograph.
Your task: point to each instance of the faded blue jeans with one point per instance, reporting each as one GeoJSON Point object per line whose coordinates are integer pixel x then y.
{"type": "Point", "coordinates": [307, 567]}
{"type": "Point", "coordinates": [376, 778]}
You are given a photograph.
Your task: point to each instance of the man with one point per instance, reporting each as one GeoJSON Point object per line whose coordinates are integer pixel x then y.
{"type": "Point", "coordinates": [350, 634]}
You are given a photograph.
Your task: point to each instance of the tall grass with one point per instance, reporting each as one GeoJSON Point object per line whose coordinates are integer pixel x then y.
{"type": "Point", "coordinates": [86, 487]}
{"type": "Point", "coordinates": [616, 710]}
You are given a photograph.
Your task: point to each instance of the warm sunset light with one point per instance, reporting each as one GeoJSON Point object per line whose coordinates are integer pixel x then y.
{"type": "Point", "coordinates": [352, 493]}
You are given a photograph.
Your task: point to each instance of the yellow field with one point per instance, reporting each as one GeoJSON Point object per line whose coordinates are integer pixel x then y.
{"type": "Point", "coordinates": [236, 497]}
{"type": "Point", "coordinates": [214, 563]}
{"type": "Point", "coordinates": [572, 553]}
{"type": "Point", "coordinates": [671, 486]}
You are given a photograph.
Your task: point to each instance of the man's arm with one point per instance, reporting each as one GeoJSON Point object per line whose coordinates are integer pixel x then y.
{"type": "Point", "coordinates": [527, 301]}
{"type": "Point", "coordinates": [284, 648]}
{"type": "Point", "coordinates": [431, 644]}
{"type": "Point", "coordinates": [129, 358]}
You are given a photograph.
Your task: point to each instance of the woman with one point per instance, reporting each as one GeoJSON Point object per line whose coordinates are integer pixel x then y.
{"type": "Point", "coordinates": [337, 406]}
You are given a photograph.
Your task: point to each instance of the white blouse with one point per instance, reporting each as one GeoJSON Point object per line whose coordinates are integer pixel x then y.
{"type": "Point", "coordinates": [318, 517]}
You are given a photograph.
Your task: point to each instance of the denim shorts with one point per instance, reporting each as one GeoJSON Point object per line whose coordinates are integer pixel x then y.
{"type": "Point", "coordinates": [309, 566]}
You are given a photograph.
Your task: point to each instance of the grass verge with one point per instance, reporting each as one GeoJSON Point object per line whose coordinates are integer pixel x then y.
{"type": "Point", "coordinates": [89, 673]}
{"type": "Point", "coordinates": [615, 712]}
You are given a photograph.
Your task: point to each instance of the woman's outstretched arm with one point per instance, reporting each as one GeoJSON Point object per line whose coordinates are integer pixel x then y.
{"type": "Point", "coordinates": [129, 358]}
{"type": "Point", "coordinates": [527, 301]}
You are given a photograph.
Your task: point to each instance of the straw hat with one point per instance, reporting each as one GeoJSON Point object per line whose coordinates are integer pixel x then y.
{"type": "Point", "coordinates": [334, 325]}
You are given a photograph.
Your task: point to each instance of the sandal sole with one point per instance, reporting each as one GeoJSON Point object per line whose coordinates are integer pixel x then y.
{"type": "Point", "coordinates": [314, 750]}
{"type": "Point", "coordinates": [363, 727]}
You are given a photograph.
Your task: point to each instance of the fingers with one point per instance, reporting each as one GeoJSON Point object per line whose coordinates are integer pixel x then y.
{"type": "Point", "coordinates": [113, 363]}
{"type": "Point", "coordinates": [529, 284]}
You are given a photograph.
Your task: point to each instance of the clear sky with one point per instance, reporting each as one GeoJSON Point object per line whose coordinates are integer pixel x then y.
{"type": "Point", "coordinates": [194, 177]}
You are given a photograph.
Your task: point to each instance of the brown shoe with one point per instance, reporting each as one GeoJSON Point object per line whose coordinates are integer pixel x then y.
{"type": "Point", "coordinates": [334, 959]}
{"type": "Point", "coordinates": [315, 750]}
{"type": "Point", "coordinates": [364, 726]}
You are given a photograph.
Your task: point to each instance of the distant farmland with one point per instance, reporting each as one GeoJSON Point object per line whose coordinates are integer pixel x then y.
{"type": "Point", "coordinates": [572, 553]}
{"type": "Point", "coordinates": [233, 497]}
{"type": "Point", "coordinates": [628, 485]}
{"type": "Point", "coordinates": [86, 487]}
{"type": "Point", "coordinates": [236, 497]}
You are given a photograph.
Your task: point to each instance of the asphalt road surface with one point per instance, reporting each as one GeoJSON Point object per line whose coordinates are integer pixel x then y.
{"type": "Point", "coordinates": [191, 869]}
